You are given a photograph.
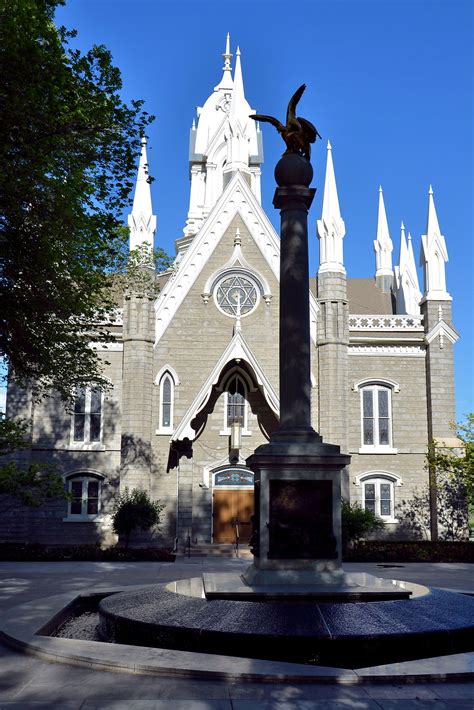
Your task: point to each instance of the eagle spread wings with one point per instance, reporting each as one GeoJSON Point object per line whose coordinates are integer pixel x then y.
{"type": "Point", "coordinates": [298, 132]}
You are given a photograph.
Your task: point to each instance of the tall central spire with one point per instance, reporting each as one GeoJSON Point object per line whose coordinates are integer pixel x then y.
{"type": "Point", "coordinates": [224, 142]}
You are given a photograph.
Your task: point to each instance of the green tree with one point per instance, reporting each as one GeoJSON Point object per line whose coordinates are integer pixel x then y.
{"type": "Point", "coordinates": [134, 510]}
{"type": "Point", "coordinates": [454, 474]}
{"type": "Point", "coordinates": [33, 484]}
{"type": "Point", "coordinates": [68, 150]}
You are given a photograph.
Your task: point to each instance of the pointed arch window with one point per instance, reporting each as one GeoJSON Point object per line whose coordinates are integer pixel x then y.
{"type": "Point", "coordinates": [166, 403]}
{"type": "Point", "coordinates": [236, 405]}
{"type": "Point", "coordinates": [167, 380]}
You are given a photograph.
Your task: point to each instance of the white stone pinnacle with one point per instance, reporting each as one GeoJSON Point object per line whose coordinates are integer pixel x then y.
{"type": "Point", "coordinates": [433, 256]}
{"type": "Point", "coordinates": [238, 106]}
{"type": "Point", "coordinates": [142, 221]}
{"type": "Point", "coordinates": [383, 246]}
{"type": "Point", "coordinates": [331, 228]}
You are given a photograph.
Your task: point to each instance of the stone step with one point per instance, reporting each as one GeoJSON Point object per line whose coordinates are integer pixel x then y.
{"type": "Point", "coordinates": [217, 551]}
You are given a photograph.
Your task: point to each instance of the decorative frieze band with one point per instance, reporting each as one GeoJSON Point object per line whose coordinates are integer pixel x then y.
{"type": "Point", "coordinates": [383, 322]}
{"type": "Point", "coordinates": [392, 350]}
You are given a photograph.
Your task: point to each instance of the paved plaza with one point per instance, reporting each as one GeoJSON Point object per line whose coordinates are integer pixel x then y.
{"type": "Point", "coordinates": [30, 682]}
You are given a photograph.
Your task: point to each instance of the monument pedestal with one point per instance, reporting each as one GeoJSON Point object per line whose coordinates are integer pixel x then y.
{"type": "Point", "coordinates": [296, 537]}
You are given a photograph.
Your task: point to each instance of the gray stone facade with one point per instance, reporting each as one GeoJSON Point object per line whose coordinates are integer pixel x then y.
{"type": "Point", "coordinates": [382, 381]}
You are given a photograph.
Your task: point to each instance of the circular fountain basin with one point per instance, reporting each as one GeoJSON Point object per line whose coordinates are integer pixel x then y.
{"type": "Point", "coordinates": [347, 634]}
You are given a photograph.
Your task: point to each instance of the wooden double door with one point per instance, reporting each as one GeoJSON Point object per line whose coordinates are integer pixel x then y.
{"type": "Point", "coordinates": [231, 513]}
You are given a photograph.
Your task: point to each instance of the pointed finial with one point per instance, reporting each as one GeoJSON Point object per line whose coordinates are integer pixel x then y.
{"type": "Point", "coordinates": [380, 188]}
{"type": "Point", "coordinates": [227, 56]}
{"type": "Point", "coordinates": [144, 140]}
{"type": "Point", "coordinates": [193, 127]}
{"type": "Point", "coordinates": [329, 146]}
{"type": "Point", "coordinates": [258, 127]}
{"type": "Point", "coordinates": [237, 54]}
{"type": "Point", "coordinates": [409, 236]}
{"type": "Point", "coordinates": [430, 191]}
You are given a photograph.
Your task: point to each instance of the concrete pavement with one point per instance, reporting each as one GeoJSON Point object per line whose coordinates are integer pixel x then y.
{"type": "Point", "coordinates": [29, 682]}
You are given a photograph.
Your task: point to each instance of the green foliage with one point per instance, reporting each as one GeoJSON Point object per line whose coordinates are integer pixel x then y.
{"type": "Point", "coordinates": [411, 551]}
{"type": "Point", "coordinates": [33, 484]}
{"type": "Point", "coordinates": [68, 150]}
{"type": "Point", "coordinates": [134, 510]}
{"type": "Point", "coordinates": [357, 523]}
{"type": "Point", "coordinates": [43, 553]}
{"type": "Point", "coordinates": [13, 435]}
{"type": "Point", "coordinates": [457, 465]}
{"type": "Point", "coordinates": [137, 274]}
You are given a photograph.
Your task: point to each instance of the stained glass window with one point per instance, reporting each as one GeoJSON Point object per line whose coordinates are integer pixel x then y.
{"type": "Point", "coordinates": [234, 477]}
{"type": "Point", "coordinates": [236, 402]}
{"type": "Point", "coordinates": [378, 497]}
{"type": "Point", "coordinates": [236, 295]}
{"type": "Point", "coordinates": [166, 402]}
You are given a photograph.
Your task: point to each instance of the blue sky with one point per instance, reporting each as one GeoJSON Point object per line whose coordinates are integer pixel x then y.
{"type": "Point", "coordinates": [389, 84]}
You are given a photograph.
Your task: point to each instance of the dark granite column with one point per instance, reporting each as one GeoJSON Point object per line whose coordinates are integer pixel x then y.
{"type": "Point", "coordinates": [293, 198]}
{"type": "Point", "coordinates": [297, 536]}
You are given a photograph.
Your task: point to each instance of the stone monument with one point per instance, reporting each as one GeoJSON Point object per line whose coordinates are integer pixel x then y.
{"type": "Point", "coordinates": [297, 522]}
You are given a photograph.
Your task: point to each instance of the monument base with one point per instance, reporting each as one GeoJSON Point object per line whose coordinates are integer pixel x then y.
{"type": "Point", "coordinates": [296, 526]}
{"type": "Point", "coordinates": [292, 585]}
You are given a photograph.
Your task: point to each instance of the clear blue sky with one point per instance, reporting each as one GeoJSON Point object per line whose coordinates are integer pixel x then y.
{"type": "Point", "coordinates": [389, 84]}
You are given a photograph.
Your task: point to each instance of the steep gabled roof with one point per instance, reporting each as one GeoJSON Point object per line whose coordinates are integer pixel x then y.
{"type": "Point", "coordinates": [237, 198]}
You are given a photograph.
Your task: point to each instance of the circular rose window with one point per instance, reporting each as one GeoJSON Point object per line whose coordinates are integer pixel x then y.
{"type": "Point", "coordinates": [236, 294]}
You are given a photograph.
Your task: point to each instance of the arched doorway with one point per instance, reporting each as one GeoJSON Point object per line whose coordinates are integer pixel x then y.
{"type": "Point", "coordinates": [232, 505]}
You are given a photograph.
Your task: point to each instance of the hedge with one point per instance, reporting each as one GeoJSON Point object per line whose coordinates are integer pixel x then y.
{"type": "Point", "coordinates": [411, 551]}
{"type": "Point", "coordinates": [89, 553]}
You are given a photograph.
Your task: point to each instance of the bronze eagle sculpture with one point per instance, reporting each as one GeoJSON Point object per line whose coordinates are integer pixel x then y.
{"type": "Point", "coordinates": [298, 132]}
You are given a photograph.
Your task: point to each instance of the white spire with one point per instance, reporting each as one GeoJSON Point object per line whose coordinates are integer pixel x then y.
{"type": "Point", "coordinates": [406, 278]}
{"type": "Point", "coordinates": [383, 248]}
{"type": "Point", "coordinates": [331, 227]}
{"type": "Point", "coordinates": [433, 256]}
{"type": "Point", "coordinates": [238, 106]}
{"type": "Point", "coordinates": [142, 221]}
{"type": "Point", "coordinates": [224, 140]}
{"type": "Point", "coordinates": [403, 260]}
{"type": "Point", "coordinates": [411, 258]}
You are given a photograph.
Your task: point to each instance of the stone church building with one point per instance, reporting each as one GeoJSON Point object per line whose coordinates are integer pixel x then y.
{"type": "Point", "coordinates": [194, 371]}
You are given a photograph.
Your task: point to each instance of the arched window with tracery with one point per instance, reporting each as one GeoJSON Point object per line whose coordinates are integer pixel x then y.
{"type": "Point", "coordinates": [236, 404]}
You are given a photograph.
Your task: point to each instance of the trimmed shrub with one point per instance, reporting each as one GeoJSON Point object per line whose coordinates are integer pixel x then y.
{"type": "Point", "coordinates": [134, 510]}
{"type": "Point", "coordinates": [357, 523]}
